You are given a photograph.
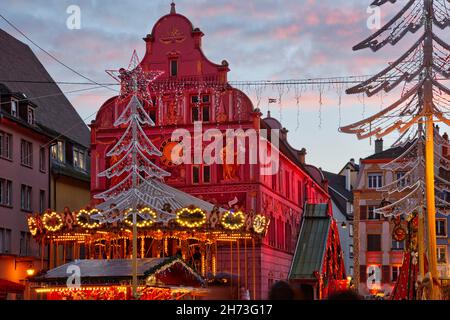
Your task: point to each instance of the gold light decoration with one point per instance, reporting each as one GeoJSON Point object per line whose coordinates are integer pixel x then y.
{"type": "Point", "coordinates": [52, 221]}
{"type": "Point", "coordinates": [260, 223]}
{"type": "Point", "coordinates": [191, 218]}
{"type": "Point", "coordinates": [142, 223]}
{"type": "Point", "coordinates": [84, 220]}
{"type": "Point", "coordinates": [32, 225]}
{"type": "Point", "coordinates": [233, 220]}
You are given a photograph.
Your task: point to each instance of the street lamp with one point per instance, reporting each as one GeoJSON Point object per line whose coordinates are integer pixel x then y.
{"type": "Point", "coordinates": [30, 272]}
{"type": "Point", "coordinates": [344, 225]}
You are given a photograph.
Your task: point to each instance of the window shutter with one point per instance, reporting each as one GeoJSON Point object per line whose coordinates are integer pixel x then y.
{"type": "Point", "coordinates": [363, 273]}
{"type": "Point", "coordinates": [363, 213]}
{"type": "Point", "coordinates": [386, 274]}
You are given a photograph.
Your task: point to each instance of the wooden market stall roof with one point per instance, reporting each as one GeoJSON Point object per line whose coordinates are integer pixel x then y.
{"type": "Point", "coordinates": [108, 271]}
{"type": "Point", "coordinates": [312, 242]}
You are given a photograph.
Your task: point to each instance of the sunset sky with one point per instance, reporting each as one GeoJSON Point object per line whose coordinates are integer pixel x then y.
{"type": "Point", "coordinates": [261, 39]}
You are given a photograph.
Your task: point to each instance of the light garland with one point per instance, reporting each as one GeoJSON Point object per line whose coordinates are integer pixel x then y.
{"type": "Point", "coordinates": [32, 226]}
{"type": "Point", "coordinates": [148, 212]}
{"type": "Point", "coordinates": [191, 218]}
{"type": "Point", "coordinates": [87, 214]}
{"type": "Point", "coordinates": [52, 222]}
{"type": "Point", "coordinates": [260, 223]}
{"type": "Point", "coordinates": [233, 220]}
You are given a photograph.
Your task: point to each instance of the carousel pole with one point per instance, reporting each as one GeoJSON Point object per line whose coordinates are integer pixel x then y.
{"type": "Point", "coordinates": [254, 269]}
{"type": "Point", "coordinates": [238, 265]}
{"type": "Point", "coordinates": [134, 186]}
{"type": "Point", "coordinates": [429, 147]}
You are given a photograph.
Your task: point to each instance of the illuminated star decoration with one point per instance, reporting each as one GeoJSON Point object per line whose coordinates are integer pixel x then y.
{"type": "Point", "coordinates": [134, 80]}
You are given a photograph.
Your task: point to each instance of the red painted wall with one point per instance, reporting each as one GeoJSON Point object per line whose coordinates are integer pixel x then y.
{"type": "Point", "coordinates": [281, 197]}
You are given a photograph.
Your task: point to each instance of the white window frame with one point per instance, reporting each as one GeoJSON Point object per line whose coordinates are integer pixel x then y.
{"type": "Point", "coordinates": [26, 153]}
{"type": "Point", "coordinates": [374, 180]}
{"type": "Point", "coordinates": [439, 250]}
{"type": "Point", "coordinates": [79, 158]}
{"type": "Point", "coordinates": [371, 215]}
{"type": "Point", "coordinates": [57, 151]}
{"type": "Point", "coordinates": [395, 270]}
{"type": "Point", "coordinates": [445, 227]}
{"type": "Point", "coordinates": [26, 197]}
{"type": "Point", "coordinates": [14, 107]}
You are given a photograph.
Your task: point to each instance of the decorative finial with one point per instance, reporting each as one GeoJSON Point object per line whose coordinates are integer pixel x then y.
{"type": "Point", "coordinates": [172, 8]}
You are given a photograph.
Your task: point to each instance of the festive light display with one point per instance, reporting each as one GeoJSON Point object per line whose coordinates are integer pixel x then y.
{"type": "Point", "coordinates": [191, 218]}
{"type": "Point", "coordinates": [260, 223]}
{"type": "Point", "coordinates": [233, 220]}
{"type": "Point", "coordinates": [52, 221]}
{"type": "Point", "coordinates": [83, 218]}
{"type": "Point", "coordinates": [32, 225]}
{"type": "Point", "coordinates": [150, 217]}
{"type": "Point", "coordinates": [424, 100]}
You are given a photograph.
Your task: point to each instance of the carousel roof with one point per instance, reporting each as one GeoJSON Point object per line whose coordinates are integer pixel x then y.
{"type": "Point", "coordinates": [178, 200]}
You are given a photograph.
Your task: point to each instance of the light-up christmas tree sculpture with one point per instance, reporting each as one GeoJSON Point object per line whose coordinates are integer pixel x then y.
{"type": "Point", "coordinates": [134, 173]}
{"type": "Point", "coordinates": [425, 99]}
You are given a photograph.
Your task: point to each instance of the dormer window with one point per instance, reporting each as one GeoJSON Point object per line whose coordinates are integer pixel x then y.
{"type": "Point", "coordinates": [14, 107]}
{"type": "Point", "coordinates": [57, 151]}
{"type": "Point", "coordinates": [30, 115]}
{"type": "Point", "coordinates": [173, 68]}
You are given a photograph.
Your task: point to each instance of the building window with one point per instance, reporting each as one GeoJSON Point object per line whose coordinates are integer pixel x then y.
{"type": "Point", "coordinates": [350, 251]}
{"type": "Point", "coordinates": [206, 174]}
{"type": "Point", "coordinates": [201, 108]}
{"type": "Point", "coordinates": [375, 180]}
{"type": "Point", "coordinates": [398, 245]}
{"type": "Point", "coordinates": [25, 197]}
{"type": "Point", "coordinates": [373, 242]}
{"type": "Point", "coordinates": [350, 230]}
{"type": "Point", "coordinates": [300, 193]}
{"type": "Point", "coordinates": [42, 160]}
{"type": "Point", "coordinates": [399, 178]}
{"type": "Point", "coordinates": [441, 228]}
{"type": "Point", "coordinates": [42, 205]}
{"type": "Point", "coordinates": [201, 173]}
{"type": "Point", "coordinates": [26, 153]}
{"type": "Point", "coordinates": [79, 159]}
{"type": "Point", "coordinates": [371, 214]}
{"type": "Point", "coordinates": [25, 244]}
{"type": "Point", "coordinates": [350, 270]}
{"type": "Point", "coordinates": [57, 151]}
{"type": "Point", "coordinates": [195, 174]}
{"type": "Point", "coordinates": [272, 232]}
{"type": "Point", "coordinates": [173, 68]}
{"type": "Point", "coordinates": [395, 273]}
{"type": "Point", "coordinates": [5, 192]}
{"type": "Point", "coordinates": [442, 254]}
{"type": "Point", "coordinates": [30, 116]}
{"type": "Point", "coordinates": [14, 107]}
{"type": "Point", "coordinates": [288, 185]}
{"type": "Point", "coordinates": [5, 240]}
{"type": "Point", "coordinates": [5, 145]}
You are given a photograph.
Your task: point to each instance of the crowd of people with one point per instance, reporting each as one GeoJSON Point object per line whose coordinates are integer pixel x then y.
{"type": "Point", "coordinates": [282, 290]}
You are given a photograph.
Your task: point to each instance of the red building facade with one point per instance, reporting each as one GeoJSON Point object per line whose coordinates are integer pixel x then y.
{"type": "Point", "coordinates": [191, 89]}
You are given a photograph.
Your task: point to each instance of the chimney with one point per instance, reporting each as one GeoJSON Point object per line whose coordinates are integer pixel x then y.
{"type": "Point", "coordinates": [283, 134]}
{"type": "Point", "coordinates": [302, 156]}
{"type": "Point", "coordinates": [348, 179]}
{"type": "Point", "coordinates": [378, 145]}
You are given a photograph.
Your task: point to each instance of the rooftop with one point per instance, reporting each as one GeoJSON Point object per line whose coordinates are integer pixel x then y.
{"type": "Point", "coordinates": [22, 72]}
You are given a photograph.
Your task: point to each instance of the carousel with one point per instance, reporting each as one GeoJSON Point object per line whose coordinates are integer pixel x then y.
{"type": "Point", "coordinates": [184, 247]}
